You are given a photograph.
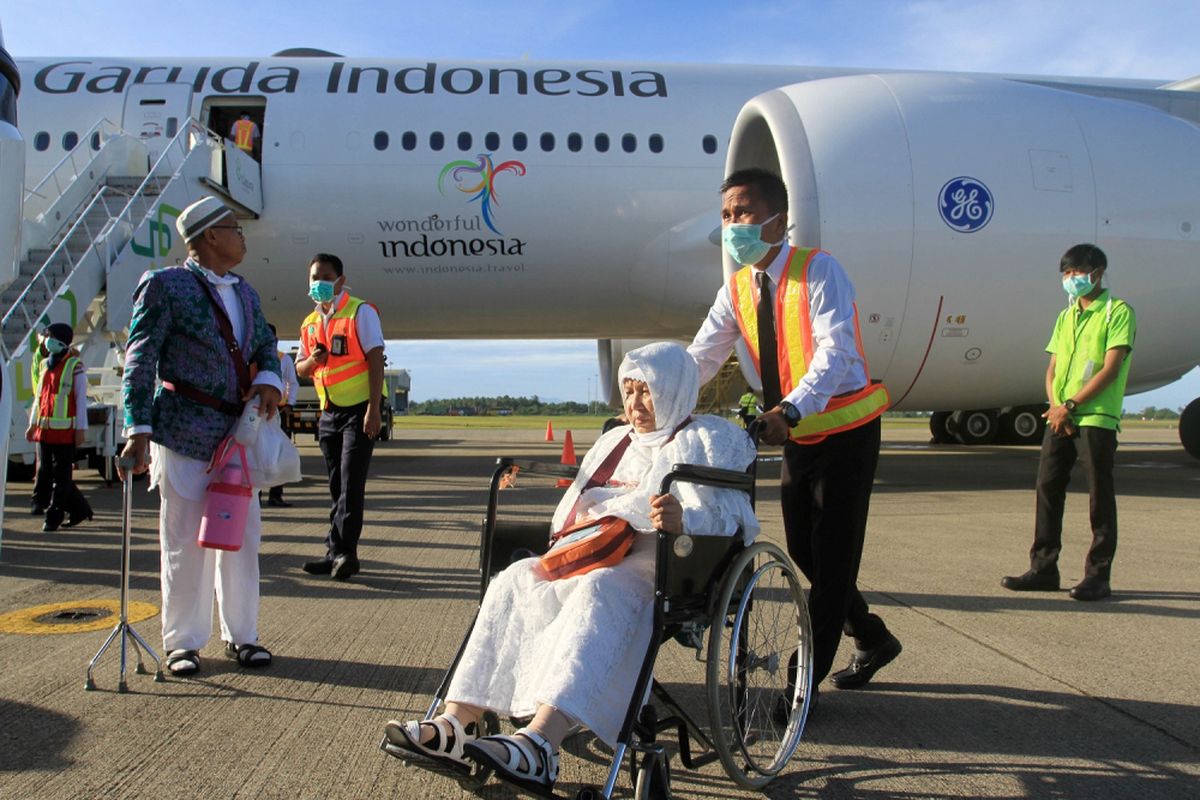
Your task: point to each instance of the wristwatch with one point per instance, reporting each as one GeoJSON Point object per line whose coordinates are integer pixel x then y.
{"type": "Point", "coordinates": [1070, 405]}
{"type": "Point", "coordinates": [790, 412]}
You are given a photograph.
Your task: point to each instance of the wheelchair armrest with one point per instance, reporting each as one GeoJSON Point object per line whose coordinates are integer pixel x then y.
{"type": "Point", "coordinates": [538, 467]}
{"type": "Point", "coordinates": [708, 476]}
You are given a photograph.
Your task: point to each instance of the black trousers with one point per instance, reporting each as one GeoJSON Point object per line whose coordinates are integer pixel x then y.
{"type": "Point", "coordinates": [347, 453]}
{"type": "Point", "coordinates": [826, 495]}
{"type": "Point", "coordinates": [54, 485]}
{"type": "Point", "coordinates": [1096, 448]}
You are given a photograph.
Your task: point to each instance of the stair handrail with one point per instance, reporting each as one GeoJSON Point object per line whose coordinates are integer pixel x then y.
{"type": "Point", "coordinates": [84, 142]}
{"type": "Point", "coordinates": [179, 141]}
{"type": "Point", "coordinates": [40, 275]}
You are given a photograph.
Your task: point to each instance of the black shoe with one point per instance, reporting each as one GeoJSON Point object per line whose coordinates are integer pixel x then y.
{"type": "Point", "coordinates": [54, 518]}
{"type": "Point", "coordinates": [1031, 582]}
{"type": "Point", "coordinates": [75, 519]}
{"type": "Point", "coordinates": [278, 503]}
{"type": "Point", "coordinates": [1091, 588]}
{"type": "Point", "coordinates": [863, 666]}
{"type": "Point", "coordinates": [322, 567]}
{"type": "Point", "coordinates": [343, 567]}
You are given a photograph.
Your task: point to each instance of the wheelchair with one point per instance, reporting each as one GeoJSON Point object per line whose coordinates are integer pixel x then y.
{"type": "Point", "coordinates": [741, 607]}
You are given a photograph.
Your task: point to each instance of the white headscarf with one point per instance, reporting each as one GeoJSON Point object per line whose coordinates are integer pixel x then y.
{"type": "Point", "coordinates": [674, 383]}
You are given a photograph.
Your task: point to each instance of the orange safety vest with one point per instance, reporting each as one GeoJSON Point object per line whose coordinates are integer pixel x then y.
{"type": "Point", "coordinates": [56, 404]}
{"type": "Point", "coordinates": [344, 380]}
{"type": "Point", "coordinates": [243, 134]}
{"type": "Point", "coordinates": [795, 349]}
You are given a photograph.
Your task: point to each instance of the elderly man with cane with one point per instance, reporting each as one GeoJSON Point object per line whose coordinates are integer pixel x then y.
{"type": "Point", "coordinates": [201, 329]}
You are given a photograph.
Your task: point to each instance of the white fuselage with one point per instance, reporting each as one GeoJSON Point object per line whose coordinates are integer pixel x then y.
{"type": "Point", "coordinates": [576, 240]}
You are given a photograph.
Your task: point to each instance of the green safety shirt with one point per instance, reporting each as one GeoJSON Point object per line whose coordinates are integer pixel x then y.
{"type": "Point", "coordinates": [749, 403]}
{"type": "Point", "coordinates": [1081, 338]}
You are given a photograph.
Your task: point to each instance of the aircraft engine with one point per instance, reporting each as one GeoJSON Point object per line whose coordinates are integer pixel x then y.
{"type": "Point", "coordinates": [950, 199]}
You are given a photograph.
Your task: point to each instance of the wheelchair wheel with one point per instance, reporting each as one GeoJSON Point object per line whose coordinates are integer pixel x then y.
{"type": "Point", "coordinates": [756, 710]}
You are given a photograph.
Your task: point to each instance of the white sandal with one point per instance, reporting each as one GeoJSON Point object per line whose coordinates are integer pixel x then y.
{"type": "Point", "coordinates": [533, 769]}
{"type": "Point", "coordinates": [444, 750]}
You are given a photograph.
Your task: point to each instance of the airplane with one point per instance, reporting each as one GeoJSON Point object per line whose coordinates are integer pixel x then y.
{"type": "Point", "coordinates": [523, 199]}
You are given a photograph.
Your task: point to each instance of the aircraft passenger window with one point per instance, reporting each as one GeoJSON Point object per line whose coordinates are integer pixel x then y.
{"type": "Point", "coordinates": [41, 141]}
{"type": "Point", "coordinates": [656, 143]}
{"type": "Point", "coordinates": [70, 139]}
{"type": "Point", "coordinates": [381, 140]}
{"type": "Point", "coordinates": [709, 143]}
{"type": "Point", "coordinates": [629, 143]}
{"type": "Point", "coordinates": [172, 127]}
{"type": "Point", "coordinates": [437, 140]}
{"type": "Point", "coordinates": [520, 141]}
{"type": "Point", "coordinates": [464, 141]}
{"type": "Point", "coordinates": [492, 141]}
{"type": "Point", "coordinates": [547, 142]}
{"type": "Point", "coordinates": [408, 140]}
{"type": "Point", "coordinates": [574, 142]}
{"type": "Point", "coordinates": [95, 140]}
{"type": "Point", "coordinates": [601, 142]}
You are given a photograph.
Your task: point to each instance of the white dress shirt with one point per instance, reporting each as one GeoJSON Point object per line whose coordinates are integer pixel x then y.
{"type": "Point", "coordinates": [291, 385]}
{"type": "Point", "coordinates": [836, 367]}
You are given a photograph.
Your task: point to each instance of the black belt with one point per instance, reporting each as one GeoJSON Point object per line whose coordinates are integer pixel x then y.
{"type": "Point", "coordinates": [203, 398]}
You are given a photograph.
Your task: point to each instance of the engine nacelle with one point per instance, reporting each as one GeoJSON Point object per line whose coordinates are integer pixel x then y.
{"type": "Point", "coordinates": [950, 200]}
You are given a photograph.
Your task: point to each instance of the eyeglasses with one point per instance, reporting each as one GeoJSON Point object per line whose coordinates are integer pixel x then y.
{"type": "Point", "coordinates": [237, 228]}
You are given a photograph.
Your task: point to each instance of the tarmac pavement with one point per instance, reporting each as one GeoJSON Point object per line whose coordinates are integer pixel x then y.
{"type": "Point", "coordinates": [997, 694]}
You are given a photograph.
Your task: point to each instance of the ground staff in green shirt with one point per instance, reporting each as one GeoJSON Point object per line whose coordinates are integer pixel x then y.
{"type": "Point", "coordinates": [1085, 384]}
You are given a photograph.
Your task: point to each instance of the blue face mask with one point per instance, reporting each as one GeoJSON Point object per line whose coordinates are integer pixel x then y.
{"type": "Point", "coordinates": [743, 241]}
{"type": "Point", "coordinates": [321, 291]}
{"type": "Point", "coordinates": [1077, 286]}
{"type": "Point", "coordinates": [54, 346]}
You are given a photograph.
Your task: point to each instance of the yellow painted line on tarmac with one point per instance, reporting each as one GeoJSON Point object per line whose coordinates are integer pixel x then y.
{"type": "Point", "coordinates": [73, 616]}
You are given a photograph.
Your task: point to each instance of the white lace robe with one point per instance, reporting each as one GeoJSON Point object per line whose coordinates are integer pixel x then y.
{"type": "Point", "coordinates": [577, 644]}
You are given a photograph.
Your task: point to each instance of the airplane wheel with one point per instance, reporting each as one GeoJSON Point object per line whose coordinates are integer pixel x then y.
{"type": "Point", "coordinates": [1023, 425]}
{"type": "Point", "coordinates": [977, 427]}
{"type": "Point", "coordinates": [1189, 428]}
{"type": "Point", "coordinates": [939, 428]}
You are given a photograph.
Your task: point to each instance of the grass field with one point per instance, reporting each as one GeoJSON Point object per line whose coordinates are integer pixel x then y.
{"type": "Point", "coordinates": [584, 422]}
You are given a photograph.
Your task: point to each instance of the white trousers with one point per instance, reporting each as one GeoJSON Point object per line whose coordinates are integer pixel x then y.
{"type": "Point", "coordinates": [191, 574]}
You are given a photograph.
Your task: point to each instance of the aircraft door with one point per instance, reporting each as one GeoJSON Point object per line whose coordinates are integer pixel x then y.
{"type": "Point", "coordinates": [156, 113]}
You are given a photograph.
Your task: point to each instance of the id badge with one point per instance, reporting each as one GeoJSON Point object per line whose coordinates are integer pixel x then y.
{"type": "Point", "coordinates": [338, 346]}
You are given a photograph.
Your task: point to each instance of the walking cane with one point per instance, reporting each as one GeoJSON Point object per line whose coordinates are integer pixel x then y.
{"type": "Point", "coordinates": [123, 629]}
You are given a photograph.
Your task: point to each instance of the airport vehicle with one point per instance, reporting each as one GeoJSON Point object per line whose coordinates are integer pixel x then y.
{"type": "Point", "coordinates": [542, 200]}
{"type": "Point", "coordinates": [306, 412]}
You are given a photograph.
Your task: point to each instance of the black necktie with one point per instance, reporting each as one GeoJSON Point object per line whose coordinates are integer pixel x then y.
{"type": "Point", "coordinates": [768, 358]}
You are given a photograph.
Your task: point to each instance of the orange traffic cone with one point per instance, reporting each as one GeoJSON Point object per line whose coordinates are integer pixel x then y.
{"type": "Point", "coordinates": [568, 457]}
{"type": "Point", "coordinates": [549, 431]}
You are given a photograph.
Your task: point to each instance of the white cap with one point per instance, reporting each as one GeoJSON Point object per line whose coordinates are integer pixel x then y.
{"type": "Point", "coordinates": [200, 216]}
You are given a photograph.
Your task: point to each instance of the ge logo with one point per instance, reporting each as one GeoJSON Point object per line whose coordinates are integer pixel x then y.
{"type": "Point", "coordinates": [965, 204]}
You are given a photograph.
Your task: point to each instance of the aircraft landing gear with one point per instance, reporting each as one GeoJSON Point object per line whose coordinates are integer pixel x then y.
{"type": "Point", "coordinates": [1189, 428]}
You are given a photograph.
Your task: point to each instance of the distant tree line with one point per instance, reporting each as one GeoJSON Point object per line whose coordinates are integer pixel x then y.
{"type": "Point", "coordinates": [1150, 412]}
{"type": "Point", "coordinates": [505, 405]}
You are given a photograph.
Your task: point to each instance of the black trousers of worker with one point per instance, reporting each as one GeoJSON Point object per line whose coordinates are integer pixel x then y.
{"type": "Point", "coordinates": [54, 485]}
{"type": "Point", "coordinates": [826, 495]}
{"type": "Point", "coordinates": [347, 453]}
{"type": "Point", "coordinates": [1096, 448]}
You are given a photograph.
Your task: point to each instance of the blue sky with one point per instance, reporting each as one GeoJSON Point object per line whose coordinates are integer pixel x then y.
{"type": "Point", "coordinates": [1106, 38]}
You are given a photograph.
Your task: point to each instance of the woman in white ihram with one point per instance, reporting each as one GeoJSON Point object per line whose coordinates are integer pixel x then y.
{"type": "Point", "coordinates": [569, 651]}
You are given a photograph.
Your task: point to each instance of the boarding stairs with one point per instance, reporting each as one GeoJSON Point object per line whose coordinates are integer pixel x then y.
{"type": "Point", "coordinates": [102, 217]}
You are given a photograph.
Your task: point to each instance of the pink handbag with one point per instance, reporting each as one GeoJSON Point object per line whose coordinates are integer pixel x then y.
{"type": "Point", "coordinates": [226, 500]}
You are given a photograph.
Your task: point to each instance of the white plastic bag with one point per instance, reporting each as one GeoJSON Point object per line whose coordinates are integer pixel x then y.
{"type": "Point", "coordinates": [273, 459]}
